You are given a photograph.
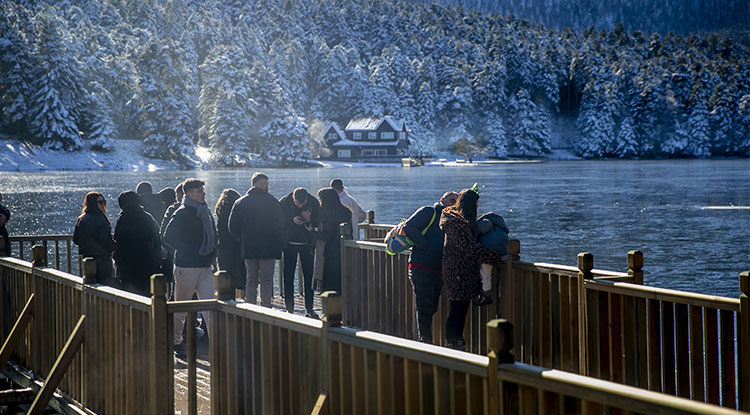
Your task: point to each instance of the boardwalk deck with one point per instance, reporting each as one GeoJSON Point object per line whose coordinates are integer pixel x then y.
{"type": "Point", "coordinates": [203, 372]}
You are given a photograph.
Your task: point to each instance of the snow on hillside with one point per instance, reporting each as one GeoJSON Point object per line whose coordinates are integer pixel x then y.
{"type": "Point", "coordinates": [16, 156]}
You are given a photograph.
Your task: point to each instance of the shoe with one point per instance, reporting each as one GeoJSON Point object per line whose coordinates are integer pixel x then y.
{"type": "Point", "coordinates": [180, 350]}
{"type": "Point", "coordinates": [484, 298]}
{"type": "Point", "coordinates": [460, 344]}
{"type": "Point", "coordinates": [312, 314]}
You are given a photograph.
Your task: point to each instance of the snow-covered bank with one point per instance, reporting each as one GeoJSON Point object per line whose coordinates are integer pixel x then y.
{"type": "Point", "coordinates": [16, 156]}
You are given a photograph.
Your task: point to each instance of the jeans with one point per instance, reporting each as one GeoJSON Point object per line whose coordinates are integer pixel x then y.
{"type": "Point", "coordinates": [291, 251]}
{"type": "Point", "coordinates": [259, 271]}
{"type": "Point", "coordinates": [427, 286]}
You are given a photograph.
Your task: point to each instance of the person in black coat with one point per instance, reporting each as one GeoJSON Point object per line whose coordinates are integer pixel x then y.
{"type": "Point", "coordinates": [138, 253]}
{"type": "Point", "coordinates": [301, 211]}
{"type": "Point", "coordinates": [332, 215]}
{"type": "Point", "coordinates": [152, 203]}
{"type": "Point", "coordinates": [229, 257]}
{"type": "Point", "coordinates": [4, 216]}
{"type": "Point", "coordinates": [93, 235]}
{"type": "Point", "coordinates": [167, 265]}
{"type": "Point", "coordinates": [257, 222]}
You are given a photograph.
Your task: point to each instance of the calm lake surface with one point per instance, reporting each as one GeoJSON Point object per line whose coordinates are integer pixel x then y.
{"type": "Point", "coordinates": [691, 218]}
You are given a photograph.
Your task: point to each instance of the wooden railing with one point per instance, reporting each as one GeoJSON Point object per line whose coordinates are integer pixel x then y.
{"type": "Point", "coordinates": [60, 248]}
{"type": "Point", "coordinates": [593, 322]}
{"type": "Point", "coordinates": [111, 374]}
{"type": "Point", "coordinates": [266, 361]}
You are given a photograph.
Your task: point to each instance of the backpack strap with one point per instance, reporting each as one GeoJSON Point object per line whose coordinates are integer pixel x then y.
{"type": "Point", "coordinates": [434, 213]}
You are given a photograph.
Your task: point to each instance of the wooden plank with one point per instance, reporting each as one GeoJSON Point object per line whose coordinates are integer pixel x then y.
{"type": "Point", "coordinates": [347, 377]}
{"type": "Point", "coordinates": [566, 331]}
{"type": "Point", "coordinates": [545, 334]}
{"type": "Point", "coordinates": [605, 348]}
{"type": "Point", "coordinates": [385, 398]}
{"type": "Point", "coordinates": [556, 321]}
{"type": "Point", "coordinates": [629, 334]}
{"type": "Point", "coordinates": [642, 348]}
{"type": "Point", "coordinates": [711, 346]}
{"type": "Point", "coordinates": [442, 393]}
{"type": "Point", "coordinates": [697, 391]}
{"type": "Point", "coordinates": [727, 361]}
{"type": "Point", "coordinates": [683, 350]}
{"type": "Point", "coordinates": [411, 387]}
{"type": "Point", "coordinates": [575, 327]}
{"type": "Point", "coordinates": [668, 356]}
{"type": "Point", "coordinates": [58, 370]}
{"type": "Point", "coordinates": [591, 325]}
{"type": "Point", "coordinates": [654, 346]}
{"type": "Point", "coordinates": [17, 332]}
{"type": "Point", "coordinates": [615, 338]}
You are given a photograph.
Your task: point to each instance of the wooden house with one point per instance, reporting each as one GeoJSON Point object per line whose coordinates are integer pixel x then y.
{"type": "Point", "coordinates": [368, 139]}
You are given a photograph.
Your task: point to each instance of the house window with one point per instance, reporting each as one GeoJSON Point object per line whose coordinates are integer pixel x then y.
{"type": "Point", "coordinates": [401, 135]}
{"type": "Point", "coordinates": [372, 136]}
{"type": "Point", "coordinates": [374, 152]}
{"type": "Point", "coordinates": [345, 154]}
{"type": "Point", "coordinates": [332, 136]}
{"type": "Point", "coordinates": [357, 136]}
{"type": "Point", "coordinates": [387, 135]}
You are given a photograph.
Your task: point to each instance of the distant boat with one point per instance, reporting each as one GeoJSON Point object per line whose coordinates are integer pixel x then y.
{"type": "Point", "coordinates": [411, 162]}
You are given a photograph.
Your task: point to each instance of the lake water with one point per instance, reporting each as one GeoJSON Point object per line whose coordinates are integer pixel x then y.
{"type": "Point", "coordinates": [691, 218]}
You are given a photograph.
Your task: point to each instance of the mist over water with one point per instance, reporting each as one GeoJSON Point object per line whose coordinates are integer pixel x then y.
{"type": "Point", "coordinates": [689, 217]}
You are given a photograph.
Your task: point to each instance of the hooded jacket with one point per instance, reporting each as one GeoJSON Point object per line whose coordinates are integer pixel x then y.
{"type": "Point", "coordinates": [462, 257]}
{"type": "Point", "coordinates": [493, 232]}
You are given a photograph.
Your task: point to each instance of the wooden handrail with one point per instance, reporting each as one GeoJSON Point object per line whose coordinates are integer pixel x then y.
{"type": "Point", "coordinates": [664, 294]}
{"type": "Point", "coordinates": [39, 238]}
{"type": "Point", "coordinates": [604, 392]}
{"type": "Point", "coordinates": [17, 331]}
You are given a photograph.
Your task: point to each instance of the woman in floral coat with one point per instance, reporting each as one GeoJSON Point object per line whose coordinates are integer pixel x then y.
{"type": "Point", "coordinates": [462, 257]}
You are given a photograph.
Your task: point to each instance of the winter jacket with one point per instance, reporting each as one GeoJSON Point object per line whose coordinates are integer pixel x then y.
{"type": "Point", "coordinates": [229, 255]}
{"type": "Point", "coordinates": [257, 222]}
{"type": "Point", "coordinates": [184, 235]}
{"type": "Point", "coordinates": [154, 205]}
{"type": "Point", "coordinates": [428, 248]}
{"type": "Point", "coordinates": [462, 256]}
{"type": "Point", "coordinates": [138, 253]}
{"type": "Point", "coordinates": [298, 233]}
{"type": "Point", "coordinates": [93, 235]}
{"type": "Point", "coordinates": [493, 232]}
{"type": "Point", "coordinates": [358, 214]}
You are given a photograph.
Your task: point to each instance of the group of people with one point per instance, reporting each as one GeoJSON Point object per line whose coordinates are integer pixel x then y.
{"type": "Point", "coordinates": [453, 247]}
{"type": "Point", "coordinates": [175, 233]}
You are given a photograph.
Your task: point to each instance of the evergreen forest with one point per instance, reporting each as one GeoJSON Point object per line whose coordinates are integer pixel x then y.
{"type": "Point", "coordinates": [258, 80]}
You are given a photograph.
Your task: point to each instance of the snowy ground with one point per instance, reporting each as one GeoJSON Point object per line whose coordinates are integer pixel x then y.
{"type": "Point", "coordinates": [16, 156]}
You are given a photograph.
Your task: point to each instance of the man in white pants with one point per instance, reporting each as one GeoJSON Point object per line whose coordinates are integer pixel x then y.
{"type": "Point", "coordinates": [191, 232]}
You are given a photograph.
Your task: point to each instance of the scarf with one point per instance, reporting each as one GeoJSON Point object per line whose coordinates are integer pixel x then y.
{"type": "Point", "coordinates": [208, 244]}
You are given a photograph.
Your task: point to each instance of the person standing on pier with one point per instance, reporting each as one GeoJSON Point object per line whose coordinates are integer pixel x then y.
{"type": "Point", "coordinates": [191, 233]}
{"type": "Point", "coordinates": [462, 257]}
{"type": "Point", "coordinates": [301, 212]}
{"type": "Point", "coordinates": [4, 216]}
{"type": "Point", "coordinates": [358, 214]}
{"type": "Point", "coordinates": [230, 255]}
{"type": "Point", "coordinates": [332, 214]}
{"type": "Point", "coordinates": [151, 202]}
{"type": "Point", "coordinates": [425, 261]}
{"type": "Point", "coordinates": [167, 265]}
{"type": "Point", "coordinates": [257, 222]}
{"type": "Point", "coordinates": [93, 235]}
{"type": "Point", "coordinates": [139, 249]}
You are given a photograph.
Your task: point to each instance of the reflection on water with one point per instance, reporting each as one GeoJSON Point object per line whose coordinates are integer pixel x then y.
{"type": "Point", "coordinates": [689, 217]}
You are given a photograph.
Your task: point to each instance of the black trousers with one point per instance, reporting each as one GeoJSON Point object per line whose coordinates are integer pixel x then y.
{"type": "Point", "coordinates": [305, 253]}
{"type": "Point", "coordinates": [454, 325]}
{"type": "Point", "coordinates": [427, 286]}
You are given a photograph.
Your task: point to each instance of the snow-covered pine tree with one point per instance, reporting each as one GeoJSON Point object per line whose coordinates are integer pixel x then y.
{"type": "Point", "coordinates": [699, 130]}
{"type": "Point", "coordinates": [58, 99]}
{"type": "Point", "coordinates": [494, 134]}
{"type": "Point", "coordinates": [626, 144]}
{"type": "Point", "coordinates": [17, 62]}
{"type": "Point", "coordinates": [723, 107]}
{"type": "Point", "coordinates": [741, 144]}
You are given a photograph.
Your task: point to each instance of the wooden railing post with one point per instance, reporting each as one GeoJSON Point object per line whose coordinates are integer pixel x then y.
{"type": "Point", "coordinates": [635, 266]}
{"type": "Point", "coordinates": [503, 305]}
{"type": "Point", "coordinates": [331, 304]}
{"type": "Point", "coordinates": [39, 256]}
{"type": "Point", "coordinates": [743, 348]}
{"type": "Point", "coordinates": [585, 265]}
{"type": "Point", "coordinates": [500, 350]}
{"type": "Point", "coordinates": [160, 387]}
{"type": "Point", "coordinates": [223, 286]}
{"type": "Point", "coordinates": [345, 231]}
{"type": "Point", "coordinates": [370, 217]}
{"type": "Point", "coordinates": [89, 271]}
{"type": "Point", "coordinates": [2, 247]}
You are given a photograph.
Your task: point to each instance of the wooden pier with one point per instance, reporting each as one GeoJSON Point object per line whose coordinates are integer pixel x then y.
{"type": "Point", "coordinates": [571, 340]}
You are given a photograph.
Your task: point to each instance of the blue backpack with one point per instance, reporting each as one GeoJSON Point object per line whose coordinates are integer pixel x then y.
{"type": "Point", "coordinates": [396, 240]}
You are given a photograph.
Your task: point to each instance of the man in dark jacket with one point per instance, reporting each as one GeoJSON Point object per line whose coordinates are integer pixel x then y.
{"type": "Point", "coordinates": [138, 251]}
{"type": "Point", "coordinates": [425, 261]}
{"type": "Point", "coordinates": [4, 216]}
{"type": "Point", "coordinates": [191, 233]}
{"type": "Point", "coordinates": [301, 212]}
{"type": "Point", "coordinates": [151, 202]}
{"type": "Point", "coordinates": [257, 222]}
